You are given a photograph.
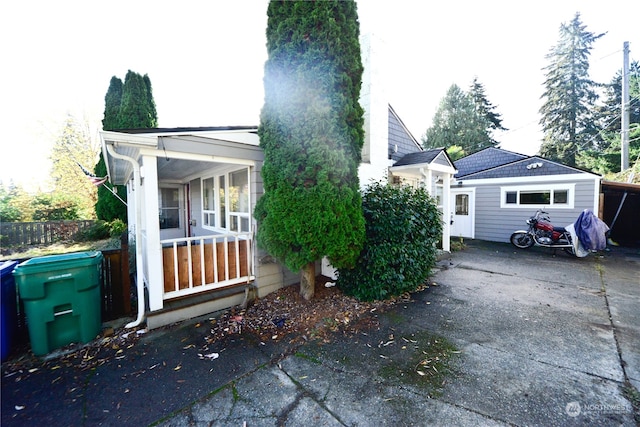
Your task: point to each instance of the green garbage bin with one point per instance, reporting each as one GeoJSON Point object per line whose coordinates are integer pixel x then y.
{"type": "Point", "coordinates": [61, 297]}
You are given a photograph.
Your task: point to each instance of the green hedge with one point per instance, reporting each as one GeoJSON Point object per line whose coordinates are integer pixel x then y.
{"type": "Point", "coordinates": [402, 226]}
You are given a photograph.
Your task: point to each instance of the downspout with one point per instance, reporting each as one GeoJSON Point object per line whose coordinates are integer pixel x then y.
{"type": "Point", "coordinates": [139, 271]}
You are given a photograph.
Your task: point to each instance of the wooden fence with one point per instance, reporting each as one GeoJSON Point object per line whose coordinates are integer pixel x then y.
{"type": "Point", "coordinates": [40, 233]}
{"type": "Point", "coordinates": [115, 286]}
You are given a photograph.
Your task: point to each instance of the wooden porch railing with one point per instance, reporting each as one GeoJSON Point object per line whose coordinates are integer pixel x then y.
{"type": "Point", "coordinates": [198, 264]}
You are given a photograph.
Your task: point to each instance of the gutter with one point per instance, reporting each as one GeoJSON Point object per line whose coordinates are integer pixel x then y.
{"type": "Point", "coordinates": [139, 267]}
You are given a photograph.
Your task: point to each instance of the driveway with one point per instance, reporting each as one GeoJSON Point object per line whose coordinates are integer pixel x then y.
{"type": "Point", "coordinates": [539, 339]}
{"type": "Point", "coordinates": [502, 337]}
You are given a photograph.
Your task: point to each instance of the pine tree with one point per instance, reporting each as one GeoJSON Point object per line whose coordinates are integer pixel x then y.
{"type": "Point", "coordinates": [311, 130]}
{"type": "Point", "coordinates": [457, 122]}
{"type": "Point", "coordinates": [484, 107]}
{"type": "Point", "coordinates": [570, 95]}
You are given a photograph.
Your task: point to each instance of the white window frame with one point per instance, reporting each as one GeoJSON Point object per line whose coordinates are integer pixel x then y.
{"type": "Point", "coordinates": [552, 188]}
{"type": "Point", "coordinates": [239, 216]}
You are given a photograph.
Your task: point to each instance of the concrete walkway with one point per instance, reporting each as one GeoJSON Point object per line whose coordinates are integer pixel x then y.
{"type": "Point", "coordinates": [506, 337]}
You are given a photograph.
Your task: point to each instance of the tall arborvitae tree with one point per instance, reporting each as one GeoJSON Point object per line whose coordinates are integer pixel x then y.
{"type": "Point", "coordinates": [311, 130]}
{"type": "Point", "coordinates": [570, 95]}
{"type": "Point", "coordinates": [112, 101]}
{"type": "Point", "coordinates": [137, 108]}
{"type": "Point", "coordinates": [457, 123]}
{"type": "Point", "coordinates": [127, 106]}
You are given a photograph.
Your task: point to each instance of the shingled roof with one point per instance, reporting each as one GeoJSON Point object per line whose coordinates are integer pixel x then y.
{"type": "Point", "coordinates": [495, 162]}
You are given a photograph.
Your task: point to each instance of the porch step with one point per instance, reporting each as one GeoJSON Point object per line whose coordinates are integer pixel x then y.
{"type": "Point", "coordinates": [178, 310]}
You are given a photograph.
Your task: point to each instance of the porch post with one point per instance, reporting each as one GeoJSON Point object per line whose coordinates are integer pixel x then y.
{"type": "Point", "coordinates": [151, 223]}
{"type": "Point", "coordinates": [446, 211]}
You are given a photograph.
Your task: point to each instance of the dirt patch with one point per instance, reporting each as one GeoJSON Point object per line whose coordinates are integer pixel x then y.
{"type": "Point", "coordinates": [284, 314]}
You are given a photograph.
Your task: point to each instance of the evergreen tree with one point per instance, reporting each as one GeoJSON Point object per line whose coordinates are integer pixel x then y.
{"type": "Point", "coordinates": [112, 101]}
{"type": "Point", "coordinates": [570, 95]}
{"type": "Point", "coordinates": [127, 106]}
{"type": "Point", "coordinates": [74, 146]}
{"type": "Point", "coordinates": [458, 122]}
{"type": "Point", "coordinates": [484, 108]}
{"type": "Point", "coordinates": [311, 130]}
{"type": "Point", "coordinates": [605, 158]}
{"type": "Point", "coordinates": [137, 109]}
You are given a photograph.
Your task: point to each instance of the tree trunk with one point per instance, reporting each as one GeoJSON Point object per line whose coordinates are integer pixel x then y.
{"type": "Point", "coordinates": [308, 281]}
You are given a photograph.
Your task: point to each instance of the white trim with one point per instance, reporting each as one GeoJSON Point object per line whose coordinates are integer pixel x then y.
{"type": "Point", "coordinates": [528, 179]}
{"type": "Point", "coordinates": [569, 187]}
{"type": "Point", "coordinates": [472, 205]}
{"type": "Point", "coordinates": [227, 213]}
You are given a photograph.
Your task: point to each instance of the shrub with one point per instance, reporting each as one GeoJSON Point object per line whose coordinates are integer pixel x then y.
{"type": "Point", "coordinates": [102, 230]}
{"type": "Point", "coordinates": [402, 225]}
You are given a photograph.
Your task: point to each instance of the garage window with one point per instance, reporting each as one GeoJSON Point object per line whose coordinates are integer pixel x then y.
{"type": "Point", "coordinates": [551, 195]}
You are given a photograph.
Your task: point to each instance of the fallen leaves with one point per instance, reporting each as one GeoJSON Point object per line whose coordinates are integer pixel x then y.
{"type": "Point", "coordinates": [285, 314]}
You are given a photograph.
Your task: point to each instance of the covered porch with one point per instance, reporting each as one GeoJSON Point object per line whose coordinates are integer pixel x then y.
{"type": "Point", "coordinates": [432, 170]}
{"type": "Point", "coordinates": [190, 194]}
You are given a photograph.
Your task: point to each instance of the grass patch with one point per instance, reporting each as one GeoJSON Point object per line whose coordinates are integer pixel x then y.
{"type": "Point", "coordinates": [426, 361]}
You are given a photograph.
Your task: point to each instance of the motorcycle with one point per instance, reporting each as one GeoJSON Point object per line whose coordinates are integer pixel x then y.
{"type": "Point", "coordinates": [542, 233]}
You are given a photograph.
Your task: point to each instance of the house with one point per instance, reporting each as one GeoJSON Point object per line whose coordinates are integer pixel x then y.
{"type": "Point", "coordinates": [495, 191]}
{"type": "Point", "coordinates": [191, 194]}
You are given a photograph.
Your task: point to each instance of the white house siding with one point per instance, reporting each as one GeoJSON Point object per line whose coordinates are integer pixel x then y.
{"type": "Point", "coordinates": [496, 224]}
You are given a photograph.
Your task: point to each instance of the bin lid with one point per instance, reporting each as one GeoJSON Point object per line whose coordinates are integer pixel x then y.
{"type": "Point", "coordinates": [57, 262]}
{"type": "Point", "coordinates": [6, 268]}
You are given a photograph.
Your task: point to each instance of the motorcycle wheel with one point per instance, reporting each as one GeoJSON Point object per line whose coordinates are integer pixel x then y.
{"type": "Point", "coordinates": [522, 240]}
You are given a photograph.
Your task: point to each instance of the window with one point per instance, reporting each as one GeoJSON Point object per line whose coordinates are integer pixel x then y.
{"type": "Point", "coordinates": [462, 204]}
{"type": "Point", "coordinates": [208, 203]}
{"type": "Point", "coordinates": [551, 195]}
{"type": "Point", "coordinates": [225, 201]}
{"type": "Point", "coordinates": [169, 204]}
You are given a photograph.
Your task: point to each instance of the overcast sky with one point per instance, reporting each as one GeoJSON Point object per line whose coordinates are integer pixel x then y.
{"type": "Point", "coordinates": [205, 61]}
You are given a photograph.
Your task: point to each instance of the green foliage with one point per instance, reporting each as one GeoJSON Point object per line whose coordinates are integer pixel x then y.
{"type": "Point", "coordinates": [402, 226]}
{"type": "Point", "coordinates": [137, 108]}
{"type": "Point", "coordinates": [112, 101]}
{"type": "Point", "coordinates": [483, 107]}
{"type": "Point", "coordinates": [55, 207]}
{"type": "Point", "coordinates": [311, 130]}
{"type": "Point", "coordinates": [102, 230]}
{"type": "Point", "coordinates": [108, 207]}
{"type": "Point", "coordinates": [127, 106]}
{"type": "Point", "coordinates": [464, 120]}
{"type": "Point", "coordinates": [75, 145]}
{"type": "Point", "coordinates": [455, 152]}
{"type": "Point", "coordinates": [605, 158]}
{"type": "Point", "coordinates": [9, 212]}
{"type": "Point", "coordinates": [567, 113]}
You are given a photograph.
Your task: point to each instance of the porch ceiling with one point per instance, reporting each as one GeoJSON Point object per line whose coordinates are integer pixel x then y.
{"type": "Point", "coordinates": [179, 170]}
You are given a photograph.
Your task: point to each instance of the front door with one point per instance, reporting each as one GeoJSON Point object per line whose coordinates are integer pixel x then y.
{"type": "Point", "coordinates": [462, 213]}
{"type": "Point", "coordinates": [171, 205]}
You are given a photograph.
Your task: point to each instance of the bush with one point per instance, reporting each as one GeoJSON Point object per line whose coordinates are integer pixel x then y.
{"type": "Point", "coordinates": [402, 226]}
{"type": "Point", "coordinates": [102, 230]}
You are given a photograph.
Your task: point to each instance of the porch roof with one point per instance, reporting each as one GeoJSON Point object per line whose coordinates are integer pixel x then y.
{"type": "Point", "coordinates": [178, 148]}
{"type": "Point", "coordinates": [435, 159]}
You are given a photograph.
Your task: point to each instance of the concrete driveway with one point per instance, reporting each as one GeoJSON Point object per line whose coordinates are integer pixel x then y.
{"type": "Point", "coordinates": [503, 337]}
{"type": "Point", "coordinates": [539, 340]}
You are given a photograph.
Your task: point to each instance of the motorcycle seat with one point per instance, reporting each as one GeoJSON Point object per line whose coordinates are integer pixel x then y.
{"type": "Point", "coordinates": [559, 229]}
